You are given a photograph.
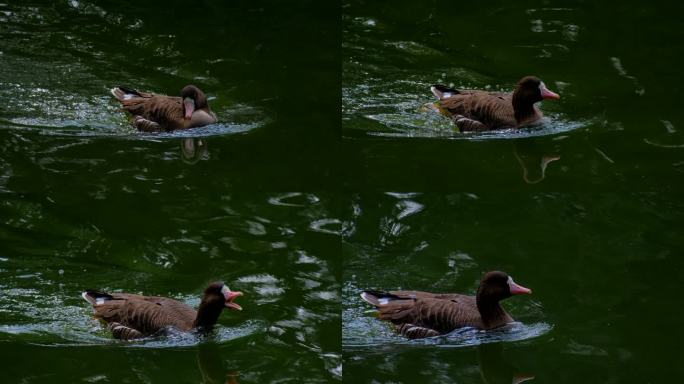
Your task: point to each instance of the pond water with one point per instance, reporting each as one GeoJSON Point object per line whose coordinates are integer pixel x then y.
{"type": "Point", "coordinates": [321, 108]}
{"type": "Point", "coordinates": [273, 247]}
{"type": "Point", "coordinates": [617, 124]}
{"type": "Point", "coordinates": [603, 269]}
{"type": "Point", "coordinates": [88, 203]}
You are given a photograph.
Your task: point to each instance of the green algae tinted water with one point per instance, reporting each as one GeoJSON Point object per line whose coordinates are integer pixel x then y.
{"type": "Point", "coordinates": [276, 248]}
{"type": "Point", "coordinates": [604, 267]}
{"type": "Point", "coordinates": [279, 249]}
{"type": "Point", "coordinates": [618, 123]}
{"type": "Point", "coordinates": [86, 202]}
{"type": "Point", "coordinates": [325, 98]}
{"type": "Point", "coordinates": [604, 270]}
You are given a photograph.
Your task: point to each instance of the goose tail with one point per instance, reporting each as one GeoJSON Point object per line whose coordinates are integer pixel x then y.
{"type": "Point", "coordinates": [443, 92]}
{"type": "Point", "coordinates": [96, 297]}
{"type": "Point", "coordinates": [125, 93]}
{"type": "Point", "coordinates": [377, 298]}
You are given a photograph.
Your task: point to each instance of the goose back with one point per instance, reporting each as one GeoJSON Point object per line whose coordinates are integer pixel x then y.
{"type": "Point", "coordinates": [146, 314]}
{"type": "Point", "coordinates": [494, 111]}
{"type": "Point", "coordinates": [166, 111]}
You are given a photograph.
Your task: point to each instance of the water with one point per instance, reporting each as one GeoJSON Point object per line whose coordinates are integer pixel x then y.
{"type": "Point", "coordinates": [602, 268]}
{"type": "Point", "coordinates": [616, 126]}
{"type": "Point", "coordinates": [275, 253]}
{"type": "Point", "coordinates": [86, 202]}
{"type": "Point", "coordinates": [269, 88]}
{"type": "Point", "coordinates": [326, 175]}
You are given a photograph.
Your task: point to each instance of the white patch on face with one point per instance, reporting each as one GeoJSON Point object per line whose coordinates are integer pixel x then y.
{"type": "Point", "coordinates": [225, 290]}
{"type": "Point", "coordinates": [383, 301]}
{"type": "Point", "coordinates": [510, 281]}
{"type": "Point", "coordinates": [99, 301]}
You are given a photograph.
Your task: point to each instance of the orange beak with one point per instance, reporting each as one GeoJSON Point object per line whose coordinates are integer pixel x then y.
{"type": "Point", "coordinates": [230, 297]}
{"type": "Point", "coordinates": [546, 94]}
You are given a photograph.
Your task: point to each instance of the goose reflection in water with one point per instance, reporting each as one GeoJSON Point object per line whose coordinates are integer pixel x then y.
{"type": "Point", "coordinates": [494, 369]}
{"type": "Point", "coordinates": [194, 149]}
{"type": "Point", "coordinates": [211, 367]}
{"type": "Point", "coordinates": [533, 159]}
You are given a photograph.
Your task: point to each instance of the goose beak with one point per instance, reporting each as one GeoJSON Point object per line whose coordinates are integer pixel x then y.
{"type": "Point", "coordinates": [230, 297]}
{"type": "Point", "coordinates": [517, 289]}
{"type": "Point", "coordinates": [546, 94]}
{"type": "Point", "coordinates": [189, 107]}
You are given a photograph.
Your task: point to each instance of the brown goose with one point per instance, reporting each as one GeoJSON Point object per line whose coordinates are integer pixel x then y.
{"type": "Point", "coordinates": [473, 110]}
{"type": "Point", "coordinates": [155, 113]}
{"type": "Point", "coordinates": [418, 314]}
{"type": "Point", "coordinates": [131, 316]}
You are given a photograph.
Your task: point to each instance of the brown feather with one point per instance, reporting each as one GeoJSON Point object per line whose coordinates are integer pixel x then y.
{"type": "Point", "coordinates": [148, 315]}
{"type": "Point", "coordinates": [494, 112]}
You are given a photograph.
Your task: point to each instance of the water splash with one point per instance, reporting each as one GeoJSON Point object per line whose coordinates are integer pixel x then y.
{"type": "Point", "coordinates": [552, 124]}
{"type": "Point", "coordinates": [220, 335]}
{"type": "Point", "coordinates": [364, 331]}
{"type": "Point", "coordinates": [114, 126]}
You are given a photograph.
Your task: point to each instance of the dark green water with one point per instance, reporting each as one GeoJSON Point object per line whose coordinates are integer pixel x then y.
{"type": "Point", "coordinates": [86, 202]}
{"type": "Point", "coordinates": [618, 124]}
{"type": "Point", "coordinates": [276, 248]}
{"type": "Point", "coordinates": [324, 98]}
{"type": "Point", "coordinates": [604, 270]}
{"type": "Point", "coordinates": [272, 83]}
{"type": "Point", "coordinates": [603, 266]}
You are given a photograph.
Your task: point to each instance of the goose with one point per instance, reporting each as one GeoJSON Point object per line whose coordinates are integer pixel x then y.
{"type": "Point", "coordinates": [474, 110]}
{"type": "Point", "coordinates": [152, 112]}
{"type": "Point", "coordinates": [417, 314]}
{"type": "Point", "coordinates": [130, 316]}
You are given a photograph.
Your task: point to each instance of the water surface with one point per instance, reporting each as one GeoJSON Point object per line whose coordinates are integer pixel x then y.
{"type": "Point", "coordinates": [617, 124]}
{"type": "Point", "coordinates": [271, 247]}
{"type": "Point", "coordinates": [86, 202]}
{"type": "Point", "coordinates": [602, 267]}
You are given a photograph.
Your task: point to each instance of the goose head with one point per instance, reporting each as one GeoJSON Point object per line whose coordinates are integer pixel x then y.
{"type": "Point", "coordinates": [193, 99]}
